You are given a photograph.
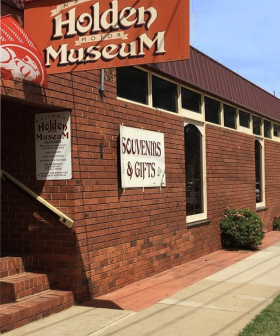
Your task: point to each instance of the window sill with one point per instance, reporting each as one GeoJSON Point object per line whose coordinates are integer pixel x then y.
{"type": "Point", "coordinates": [262, 208]}
{"type": "Point", "coordinates": [124, 100]}
{"type": "Point", "coordinates": [199, 223]}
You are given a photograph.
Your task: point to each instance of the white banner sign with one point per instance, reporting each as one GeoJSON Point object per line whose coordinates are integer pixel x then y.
{"type": "Point", "coordinates": [53, 146]}
{"type": "Point", "coordinates": [142, 158]}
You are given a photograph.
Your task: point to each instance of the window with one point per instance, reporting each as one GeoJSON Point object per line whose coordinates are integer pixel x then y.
{"type": "Point", "coordinates": [229, 116]}
{"type": "Point", "coordinates": [244, 119]}
{"type": "Point", "coordinates": [164, 94]}
{"type": "Point", "coordinates": [132, 84]}
{"type": "Point", "coordinates": [193, 157]}
{"type": "Point", "coordinates": [212, 110]}
{"type": "Point", "coordinates": [258, 167]}
{"type": "Point", "coordinates": [257, 123]}
{"type": "Point", "coordinates": [267, 129]}
{"type": "Point", "coordinates": [191, 100]}
{"type": "Point", "coordinates": [276, 130]}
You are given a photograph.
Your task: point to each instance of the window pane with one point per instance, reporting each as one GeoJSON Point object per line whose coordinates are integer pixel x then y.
{"type": "Point", "coordinates": [229, 116]}
{"type": "Point", "coordinates": [267, 129]}
{"type": "Point", "coordinates": [193, 143]}
{"type": "Point", "coordinates": [212, 110]}
{"type": "Point", "coordinates": [190, 100]}
{"type": "Point", "coordinates": [276, 129]}
{"type": "Point", "coordinates": [132, 84]}
{"type": "Point", "coordinates": [257, 122]}
{"type": "Point", "coordinates": [164, 94]}
{"type": "Point", "coordinates": [244, 119]}
{"type": "Point", "coordinates": [258, 166]}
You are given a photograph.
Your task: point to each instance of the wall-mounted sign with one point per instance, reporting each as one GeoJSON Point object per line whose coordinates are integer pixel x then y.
{"type": "Point", "coordinates": [90, 34]}
{"type": "Point", "coordinates": [142, 158]}
{"type": "Point", "coordinates": [53, 146]}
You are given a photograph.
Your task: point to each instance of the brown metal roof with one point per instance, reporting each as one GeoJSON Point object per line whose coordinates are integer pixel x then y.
{"type": "Point", "coordinates": [206, 74]}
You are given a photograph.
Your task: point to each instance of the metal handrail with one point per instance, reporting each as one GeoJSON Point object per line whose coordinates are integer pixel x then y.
{"type": "Point", "coordinates": [60, 215]}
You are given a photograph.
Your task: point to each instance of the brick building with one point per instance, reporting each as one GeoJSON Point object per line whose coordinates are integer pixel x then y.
{"type": "Point", "coordinates": [222, 145]}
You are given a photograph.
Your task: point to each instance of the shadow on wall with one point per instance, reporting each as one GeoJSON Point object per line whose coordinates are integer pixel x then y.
{"type": "Point", "coordinates": [27, 228]}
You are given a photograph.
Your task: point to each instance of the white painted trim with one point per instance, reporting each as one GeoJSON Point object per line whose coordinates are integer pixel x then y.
{"type": "Point", "coordinates": [179, 100]}
{"type": "Point", "coordinates": [196, 218]}
{"type": "Point", "coordinates": [203, 107]}
{"type": "Point", "coordinates": [237, 120]}
{"type": "Point", "coordinates": [150, 97]}
{"type": "Point", "coordinates": [251, 123]}
{"type": "Point", "coordinates": [245, 130]}
{"type": "Point", "coordinates": [262, 203]}
{"type": "Point", "coordinates": [201, 127]}
{"type": "Point", "coordinates": [222, 120]}
{"type": "Point", "coordinates": [192, 115]}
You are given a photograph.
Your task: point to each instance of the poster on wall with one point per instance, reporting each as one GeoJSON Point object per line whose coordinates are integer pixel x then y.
{"type": "Point", "coordinates": [53, 146]}
{"type": "Point", "coordinates": [90, 34]}
{"type": "Point", "coordinates": [142, 158]}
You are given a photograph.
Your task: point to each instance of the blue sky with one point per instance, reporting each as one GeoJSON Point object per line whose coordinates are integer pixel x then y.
{"type": "Point", "coordinates": [243, 35]}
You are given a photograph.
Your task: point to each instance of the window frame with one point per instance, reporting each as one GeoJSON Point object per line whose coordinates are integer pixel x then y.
{"type": "Point", "coordinates": [200, 117]}
{"type": "Point", "coordinates": [274, 137]}
{"type": "Point", "coordinates": [189, 113]}
{"type": "Point", "coordinates": [243, 129]}
{"type": "Point", "coordinates": [219, 113]}
{"type": "Point", "coordinates": [177, 107]}
{"type": "Point", "coordinates": [261, 125]}
{"type": "Point", "coordinates": [236, 116]}
{"type": "Point", "coordinates": [148, 91]}
{"type": "Point", "coordinates": [262, 203]}
{"type": "Point", "coordinates": [271, 129]}
{"type": "Point", "coordinates": [203, 215]}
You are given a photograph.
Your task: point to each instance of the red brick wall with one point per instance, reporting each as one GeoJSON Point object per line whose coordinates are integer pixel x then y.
{"type": "Point", "coordinates": [231, 173]}
{"type": "Point", "coordinates": [118, 236]}
{"type": "Point", "coordinates": [272, 183]}
{"type": "Point", "coordinates": [131, 234]}
{"type": "Point", "coordinates": [230, 182]}
{"type": "Point", "coordinates": [230, 170]}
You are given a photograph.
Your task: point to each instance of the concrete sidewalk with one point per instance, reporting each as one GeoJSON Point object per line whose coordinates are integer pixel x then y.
{"type": "Point", "coordinates": [219, 305]}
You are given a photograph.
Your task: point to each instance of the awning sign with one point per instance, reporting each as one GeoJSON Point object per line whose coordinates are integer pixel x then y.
{"type": "Point", "coordinates": [142, 158]}
{"type": "Point", "coordinates": [89, 34]}
{"type": "Point", "coordinates": [20, 58]}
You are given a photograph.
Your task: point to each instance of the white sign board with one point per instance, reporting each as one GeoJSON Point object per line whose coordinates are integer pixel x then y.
{"type": "Point", "coordinates": [142, 158]}
{"type": "Point", "coordinates": [53, 146]}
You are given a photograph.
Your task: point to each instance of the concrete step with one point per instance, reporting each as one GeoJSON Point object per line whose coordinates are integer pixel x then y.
{"type": "Point", "coordinates": [34, 307]}
{"type": "Point", "coordinates": [11, 265]}
{"type": "Point", "coordinates": [17, 286]}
